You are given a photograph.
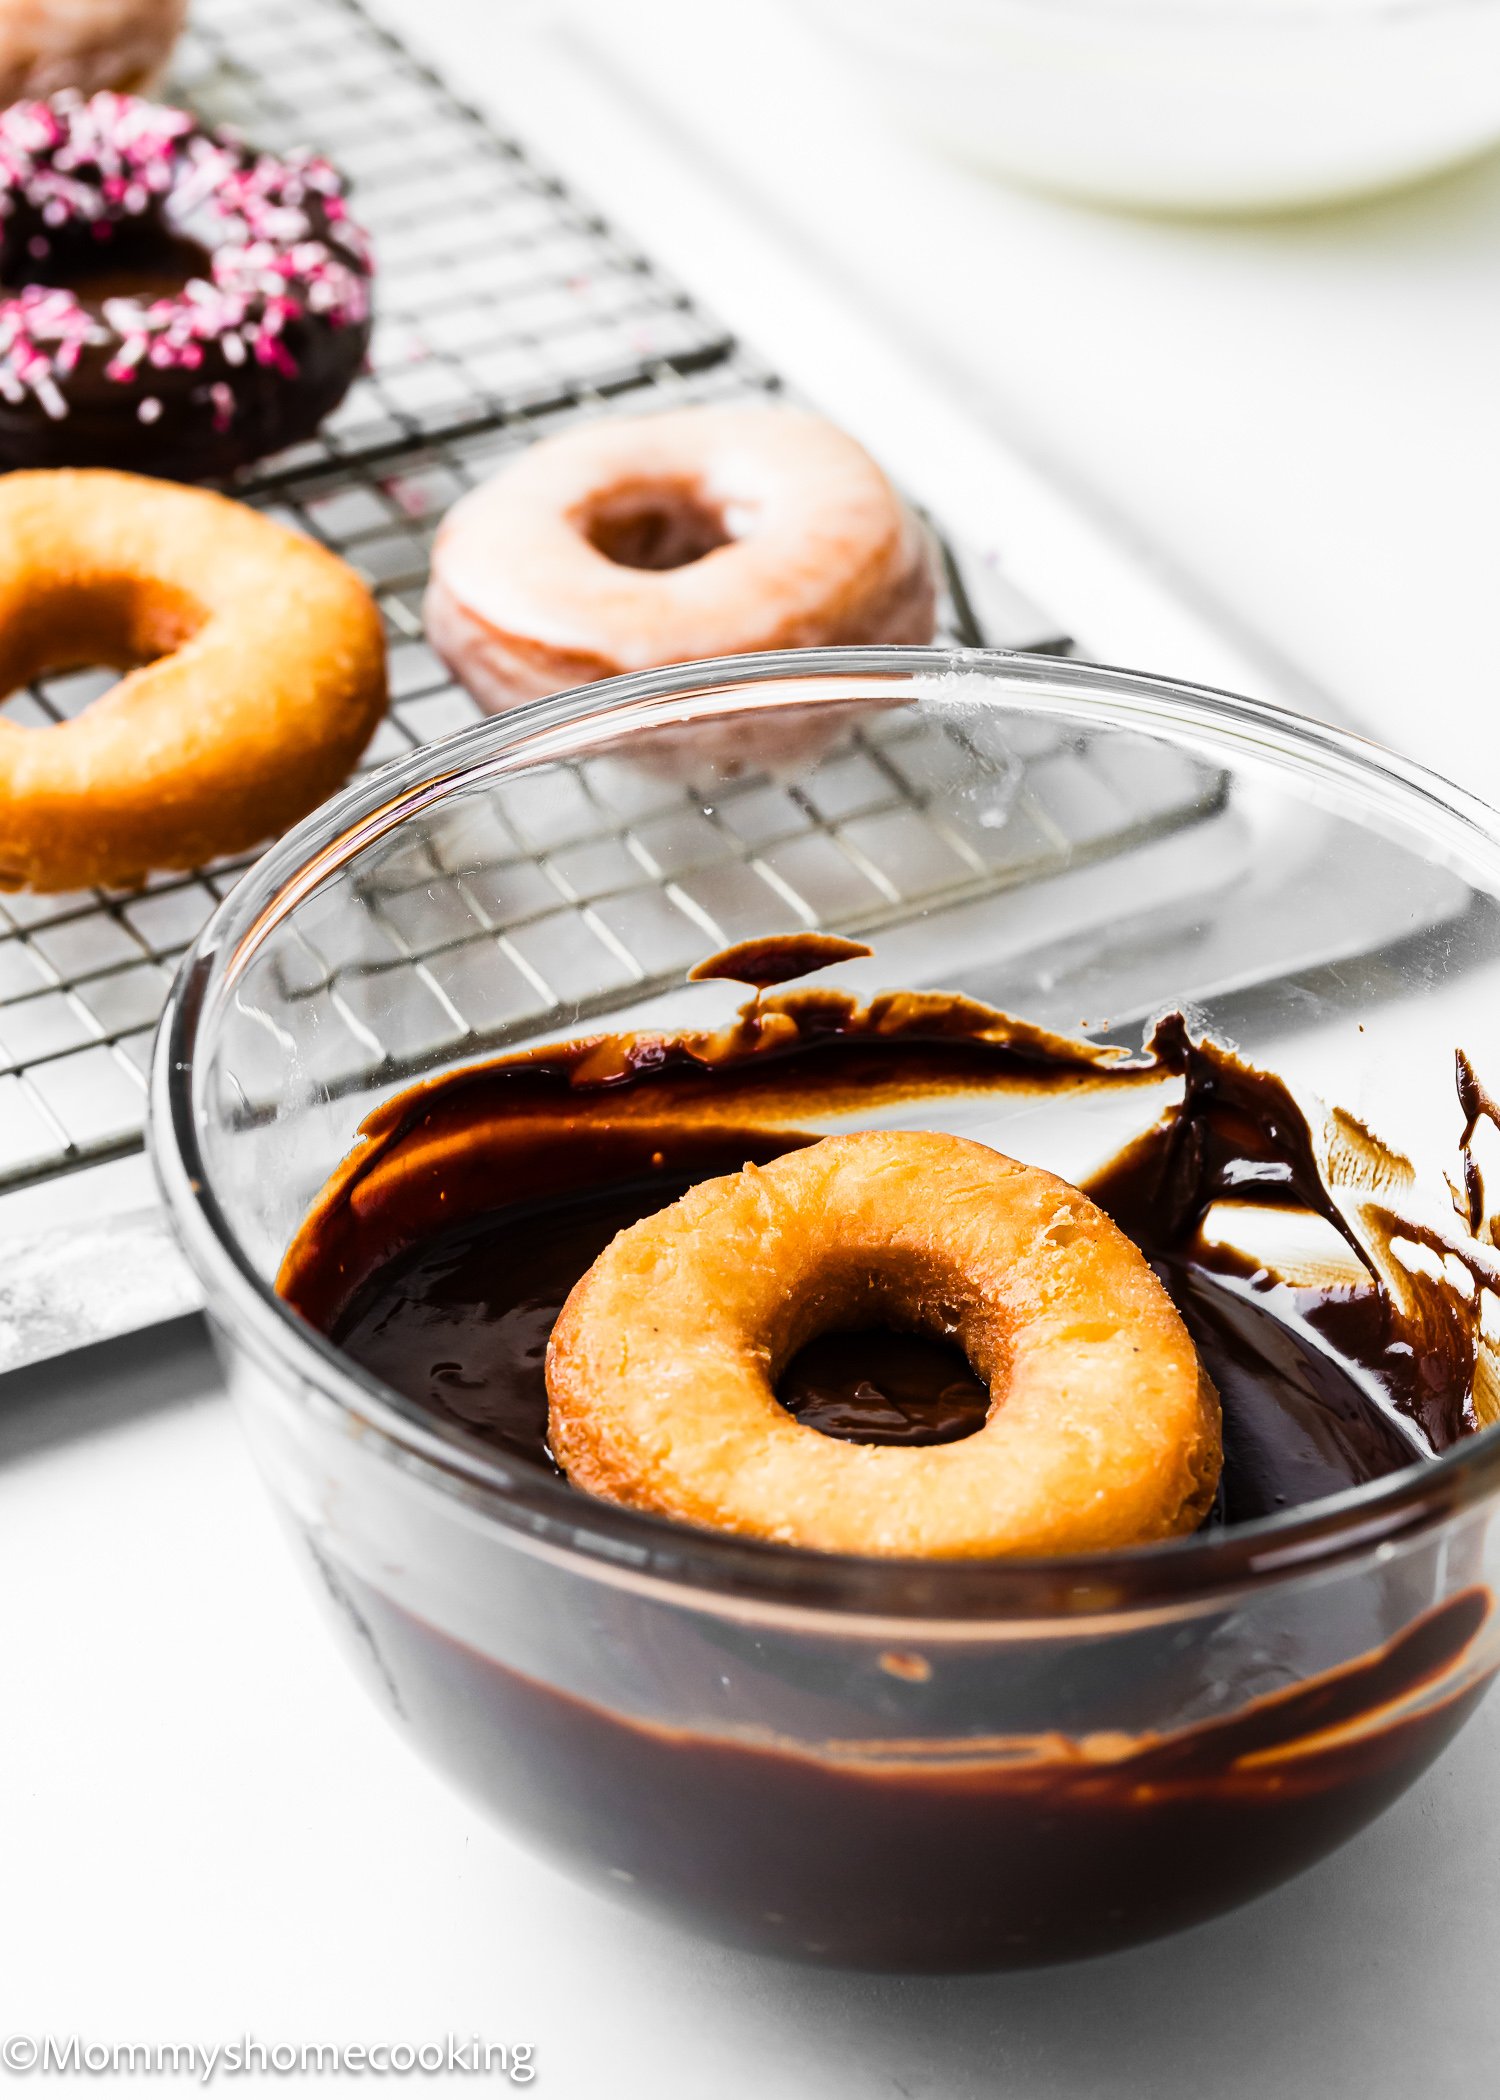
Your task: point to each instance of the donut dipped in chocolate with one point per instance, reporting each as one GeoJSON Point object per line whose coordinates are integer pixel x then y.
{"type": "Point", "coordinates": [1101, 1431]}
{"type": "Point", "coordinates": [171, 300]}
{"type": "Point", "coordinates": [448, 1290]}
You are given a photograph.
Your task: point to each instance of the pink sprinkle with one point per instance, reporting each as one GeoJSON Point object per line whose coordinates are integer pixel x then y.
{"type": "Point", "coordinates": [407, 498]}
{"type": "Point", "coordinates": [270, 350]}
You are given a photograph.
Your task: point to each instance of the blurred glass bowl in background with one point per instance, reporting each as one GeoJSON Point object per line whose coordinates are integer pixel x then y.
{"type": "Point", "coordinates": [1200, 106]}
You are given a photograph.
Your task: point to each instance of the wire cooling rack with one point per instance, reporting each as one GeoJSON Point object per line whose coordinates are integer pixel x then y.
{"type": "Point", "coordinates": [499, 295]}
{"type": "Point", "coordinates": [509, 310]}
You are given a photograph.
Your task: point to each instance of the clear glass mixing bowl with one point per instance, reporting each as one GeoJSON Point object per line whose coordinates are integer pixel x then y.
{"type": "Point", "coordinates": [854, 1760]}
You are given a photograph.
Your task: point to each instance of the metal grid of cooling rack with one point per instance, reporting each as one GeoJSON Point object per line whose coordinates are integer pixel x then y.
{"type": "Point", "coordinates": [510, 310]}
{"type": "Point", "coordinates": [499, 293]}
{"type": "Point", "coordinates": [590, 884]}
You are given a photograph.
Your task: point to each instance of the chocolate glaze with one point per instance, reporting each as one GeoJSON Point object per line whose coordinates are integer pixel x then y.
{"type": "Point", "coordinates": [777, 959]}
{"type": "Point", "coordinates": [874, 1387]}
{"type": "Point", "coordinates": [1239, 1133]}
{"type": "Point", "coordinates": [437, 1257]}
{"type": "Point", "coordinates": [142, 259]}
{"type": "Point", "coordinates": [1478, 1106]}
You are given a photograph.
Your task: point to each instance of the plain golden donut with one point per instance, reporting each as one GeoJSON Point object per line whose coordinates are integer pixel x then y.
{"type": "Point", "coordinates": [260, 676]}
{"type": "Point", "coordinates": [638, 541]}
{"type": "Point", "coordinates": [85, 44]}
{"type": "Point", "coordinates": [1102, 1430]}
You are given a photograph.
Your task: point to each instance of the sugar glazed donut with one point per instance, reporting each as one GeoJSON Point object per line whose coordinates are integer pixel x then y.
{"type": "Point", "coordinates": [1102, 1430]}
{"type": "Point", "coordinates": [86, 44]}
{"type": "Point", "coordinates": [259, 675]}
{"type": "Point", "coordinates": [170, 300]}
{"type": "Point", "coordinates": [647, 540]}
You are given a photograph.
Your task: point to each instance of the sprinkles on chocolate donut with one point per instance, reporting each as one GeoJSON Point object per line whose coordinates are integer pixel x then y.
{"type": "Point", "coordinates": [171, 300]}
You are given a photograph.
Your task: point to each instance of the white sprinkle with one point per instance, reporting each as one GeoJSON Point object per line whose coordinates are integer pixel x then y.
{"type": "Point", "coordinates": [149, 409]}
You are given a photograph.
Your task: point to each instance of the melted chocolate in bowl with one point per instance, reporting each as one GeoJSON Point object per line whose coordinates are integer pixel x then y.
{"type": "Point", "coordinates": [461, 1323]}
{"type": "Point", "coordinates": [930, 1847]}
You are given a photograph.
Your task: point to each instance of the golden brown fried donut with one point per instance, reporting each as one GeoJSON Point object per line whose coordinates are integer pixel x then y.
{"type": "Point", "coordinates": [1102, 1430]}
{"type": "Point", "coordinates": [85, 44]}
{"type": "Point", "coordinates": [260, 676]}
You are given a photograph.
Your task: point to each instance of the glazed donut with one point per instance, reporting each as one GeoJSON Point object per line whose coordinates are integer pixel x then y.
{"type": "Point", "coordinates": [173, 302]}
{"type": "Point", "coordinates": [1102, 1430]}
{"type": "Point", "coordinates": [260, 676]}
{"type": "Point", "coordinates": [46, 45]}
{"type": "Point", "coordinates": [646, 540]}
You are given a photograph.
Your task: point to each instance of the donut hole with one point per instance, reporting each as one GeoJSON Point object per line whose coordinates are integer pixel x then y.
{"type": "Point", "coordinates": [880, 1385]}
{"type": "Point", "coordinates": [113, 625]}
{"type": "Point", "coordinates": [874, 1353]}
{"type": "Point", "coordinates": [130, 259]}
{"type": "Point", "coordinates": [655, 525]}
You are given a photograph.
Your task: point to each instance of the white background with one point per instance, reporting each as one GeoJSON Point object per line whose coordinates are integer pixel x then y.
{"type": "Point", "coordinates": [204, 1828]}
{"type": "Point", "coordinates": [1302, 412]}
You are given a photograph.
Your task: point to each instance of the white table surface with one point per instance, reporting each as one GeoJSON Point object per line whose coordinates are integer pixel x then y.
{"type": "Point", "coordinates": [205, 1829]}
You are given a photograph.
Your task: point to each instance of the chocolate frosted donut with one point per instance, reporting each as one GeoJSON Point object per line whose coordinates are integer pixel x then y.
{"type": "Point", "coordinates": [171, 300]}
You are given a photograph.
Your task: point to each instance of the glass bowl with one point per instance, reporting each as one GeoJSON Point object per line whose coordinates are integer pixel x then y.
{"type": "Point", "coordinates": [881, 1763]}
{"type": "Point", "coordinates": [1197, 106]}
